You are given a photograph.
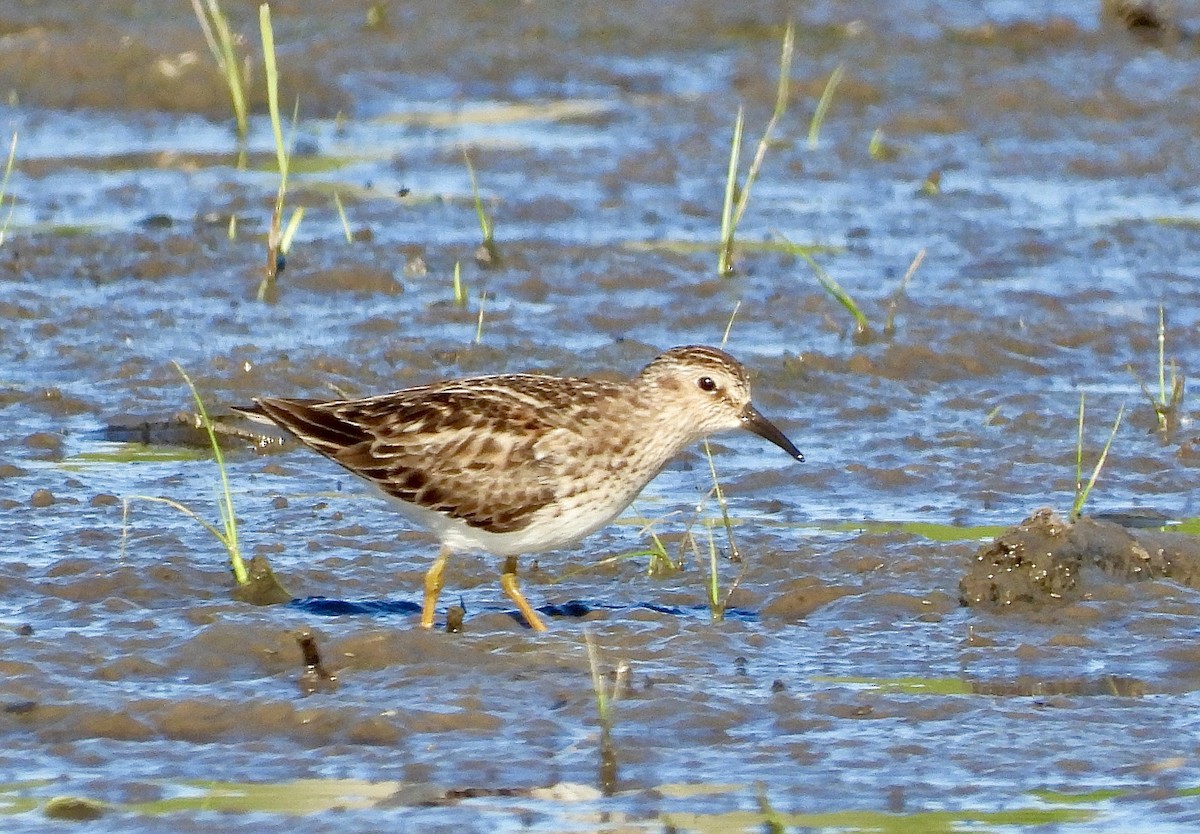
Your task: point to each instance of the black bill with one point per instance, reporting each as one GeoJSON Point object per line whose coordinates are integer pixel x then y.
{"type": "Point", "coordinates": [753, 421]}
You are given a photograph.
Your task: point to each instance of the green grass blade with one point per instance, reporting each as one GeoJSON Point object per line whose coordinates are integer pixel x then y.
{"type": "Point", "coordinates": [721, 502]}
{"type": "Point", "coordinates": [714, 586]}
{"type": "Point", "coordinates": [485, 222]}
{"type": "Point", "coordinates": [1080, 500]}
{"type": "Point", "coordinates": [877, 148]}
{"type": "Point", "coordinates": [221, 46]}
{"type": "Point", "coordinates": [8, 166]}
{"type": "Point", "coordinates": [206, 28]}
{"type": "Point", "coordinates": [341, 210]}
{"type": "Point", "coordinates": [460, 294]}
{"type": "Point", "coordinates": [1162, 352]}
{"type": "Point", "coordinates": [729, 326]}
{"type": "Point", "coordinates": [285, 242]}
{"type": "Point", "coordinates": [781, 98]}
{"type": "Point", "coordinates": [598, 687]}
{"type": "Point", "coordinates": [1079, 458]}
{"type": "Point", "coordinates": [818, 119]}
{"type": "Point", "coordinates": [736, 201]}
{"type": "Point", "coordinates": [272, 70]}
{"type": "Point", "coordinates": [12, 201]}
{"type": "Point", "coordinates": [225, 500]}
{"type": "Point", "coordinates": [836, 290]}
{"type": "Point", "coordinates": [188, 511]}
{"type": "Point", "coordinates": [660, 560]}
{"type": "Point", "coordinates": [278, 239]}
{"type": "Point", "coordinates": [717, 605]}
{"type": "Point", "coordinates": [228, 64]}
{"type": "Point", "coordinates": [725, 252]}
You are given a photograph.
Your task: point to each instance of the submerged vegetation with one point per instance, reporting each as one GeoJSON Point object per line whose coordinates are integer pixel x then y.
{"type": "Point", "coordinates": [606, 697]}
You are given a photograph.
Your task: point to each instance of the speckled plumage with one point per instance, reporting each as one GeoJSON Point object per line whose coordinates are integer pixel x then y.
{"type": "Point", "coordinates": [522, 463]}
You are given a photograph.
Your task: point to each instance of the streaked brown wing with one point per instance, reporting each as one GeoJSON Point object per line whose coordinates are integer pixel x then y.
{"type": "Point", "coordinates": [467, 453]}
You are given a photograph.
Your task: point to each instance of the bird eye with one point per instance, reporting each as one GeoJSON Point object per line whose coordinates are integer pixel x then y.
{"type": "Point", "coordinates": [706, 383]}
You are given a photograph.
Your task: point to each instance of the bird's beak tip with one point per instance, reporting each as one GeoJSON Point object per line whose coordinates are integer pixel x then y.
{"type": "Point", "coordinates": [753, 421]}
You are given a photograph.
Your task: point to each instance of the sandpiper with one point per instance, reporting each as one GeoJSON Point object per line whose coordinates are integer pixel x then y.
{"type": "Point", "coordinates": [522, 463]}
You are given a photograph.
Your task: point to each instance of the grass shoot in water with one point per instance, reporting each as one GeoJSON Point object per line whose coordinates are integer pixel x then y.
{"type": "Point", "coordinates": [889, 326]}
{"type": "Point", "coordinates": [460, 294]}
{"type": "Point", "coordinates": [279, 239]}
{"type": "Point", "coordinates": [729, 326]}
{"type": "Point", "coordinates": [660, 560]}
{"type": "Point", "coordinates": [479, 321]}
{"type": "Point", "coordinates": [487, 253]}
{"type": "Point", "coordinates": [221, 44]}
{"type": "Point", "coordinates": [1166, 405]}
{"type": "Point", "coordinates": [227, 534]}
{"type": "Point", "coordinates": [718, 603]}
{"type": "Point", "coordinates": [818, 119]}
{"type": "Point", "coordinates": [862, 327]}
{"type": "Point", "coordinates": [12, 200]}
{"type": "Point", "coordinates": [737, 198]}
{"type": "Point", "coordinates": [879, 149]}
{"type": "Point", "coordinates": [341, 210]}
{"type": "Point", "coordinates": [605, 697]}
{"type": "Point", "coordinates": [1083, 491]}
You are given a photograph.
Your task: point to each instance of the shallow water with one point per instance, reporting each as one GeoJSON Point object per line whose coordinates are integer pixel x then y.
{"type": "Point", "coordinates": [846, 687]}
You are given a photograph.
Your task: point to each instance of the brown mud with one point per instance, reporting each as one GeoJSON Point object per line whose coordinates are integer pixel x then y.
{"type": "Point", "coordinates": [846, 686]}
{"type": "Point", "coordinates": [1045, 560]}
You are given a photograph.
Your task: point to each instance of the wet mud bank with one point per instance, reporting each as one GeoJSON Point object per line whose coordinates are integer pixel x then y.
{"type": "Point", "coordinates": [1046, 560]}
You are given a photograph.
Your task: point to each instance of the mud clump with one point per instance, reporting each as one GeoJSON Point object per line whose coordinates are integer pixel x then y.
{"type": "Point", "coordinates": [261, 587]}
{"type": "Point", "coordinates": [315, 678]}
{"type": "Point", "coordinates": [74, 808]}
{"type": "Point", "coordinates": [1149, 21]}
{"type": "Point", "coordinates": [1045, 560]}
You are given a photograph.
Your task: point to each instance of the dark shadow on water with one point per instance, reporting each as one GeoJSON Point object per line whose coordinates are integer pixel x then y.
{"type": "Point", "coordinates": [576, 609]}
{"type": "Point", "coordinates": [326, 607]}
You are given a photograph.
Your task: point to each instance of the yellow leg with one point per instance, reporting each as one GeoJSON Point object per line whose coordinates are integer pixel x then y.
{"type": "Point", "coordinates": [508, 581]}
{"type": "Point", "coordinates": [433, 586]}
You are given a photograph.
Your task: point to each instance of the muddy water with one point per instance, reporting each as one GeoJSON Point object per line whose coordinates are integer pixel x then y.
{"type": "Point", "coordinates": [846, 686]}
